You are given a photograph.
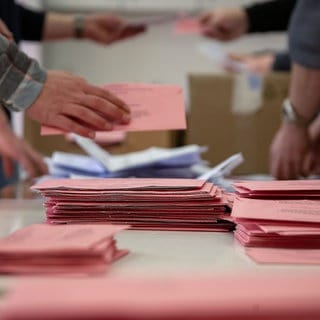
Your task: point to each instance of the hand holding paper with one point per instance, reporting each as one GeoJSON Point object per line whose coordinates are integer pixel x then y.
{"type": "Point", "coordinates": [153, 107]}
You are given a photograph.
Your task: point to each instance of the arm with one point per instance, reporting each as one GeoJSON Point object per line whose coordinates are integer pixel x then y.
{"type": "Point", "coordinates": [230, 23]}
{"type": "Point", "coordinates": [13, 148]}
{"type": "Point", "coordinates": [292, 144]}
{"type": "Point", "coordinates": [56, 98]}
{"type": "Point", "coordinates": [270, 15]}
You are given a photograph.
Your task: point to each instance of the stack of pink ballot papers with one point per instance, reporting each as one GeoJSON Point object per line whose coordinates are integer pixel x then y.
{"type": "Point", "coordinates": [279, 214]}
{"type": "Point", "coordinates": [43, 248]}
{"type": "Point", "coordinates": [161, 204]}
{"type": "Point", "coordinates": [280, 296]}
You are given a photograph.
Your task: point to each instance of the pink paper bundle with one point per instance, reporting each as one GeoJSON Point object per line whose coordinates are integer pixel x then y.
{"type": "Point", "coordinates": [162, 204]}
{"type": "Point", "coordinates": [42, 248]}
{"type": "Point", "coordinates": [225, 297]}
{"type": "Point", "coordinates": [279, 214]}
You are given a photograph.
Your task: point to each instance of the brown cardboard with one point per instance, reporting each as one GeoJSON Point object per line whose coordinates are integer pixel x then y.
{"type": "Point", "coordinates": [134, 141]}
{"type": "Point", "coordinates": [212, 123]}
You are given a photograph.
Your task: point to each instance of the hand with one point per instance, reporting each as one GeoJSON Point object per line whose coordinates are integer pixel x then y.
{"type": "Point", "coordinates": [289, 155]}
{"type": "Point", "coordinates": [106, 29]}
{"type": "Point", "coordinates": [13, 149]}
{"type": "Point", "coordinates": [69, 103]}
{"type": "Point", "coordinates": [224, 24]}
{"type": "Point", "coordinates": [256, 63]}
{"type": "Point", "coordinates": [4, 31]}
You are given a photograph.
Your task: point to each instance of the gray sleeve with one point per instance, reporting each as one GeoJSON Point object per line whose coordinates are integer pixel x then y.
{"type": "Point", "coordinates": [21, 78]}
{"type": "Point", "coordinates": [304, 34]}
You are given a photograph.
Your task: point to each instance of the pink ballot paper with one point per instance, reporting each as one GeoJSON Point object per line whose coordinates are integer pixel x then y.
{"type": "Point", "coordinates": [42, 248]}
{"type": "Point", "coordinates": [158, 204]}
{"type": "Point", "coordinates": [272, 296]}
{"type": "Point", "coordinates": [187, 25]}
{"type": "Point", "coordinates": [153, 107]}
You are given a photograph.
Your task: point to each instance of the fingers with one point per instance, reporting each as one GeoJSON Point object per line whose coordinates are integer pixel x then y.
{"type": "Point", "coordinates": [39, 164]}
{"type": "Point", "coordinates": [7, 167]}
{"type": "Point", "coordinates": [107, 95]}
{"type": "Point", "coordinates": [107, 112]}
{"type": "Point", "coordinates": [205, 17]}
{"type": "Point", "coordinates": [65, 123]}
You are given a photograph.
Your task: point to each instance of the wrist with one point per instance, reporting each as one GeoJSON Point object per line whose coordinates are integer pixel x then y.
{"type": "Point", "coordinates": [78, 26]}
{"type": "Point", "coordinates": [291, 115]}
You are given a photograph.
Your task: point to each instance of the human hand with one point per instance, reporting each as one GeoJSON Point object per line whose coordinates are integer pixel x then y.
{"type": "Point", "coordinates": [13, 149]}
{"type": "Point", "coordinates": [70, 103]}
{"type": "Point", "coordinates": [224, 24]}
{"type": "Point", "coordinates": [256, 63]}
{"type": "Point", "coordinates": [289, 153]}
{"type": "Point", "coordinates": [106, 29]}
{"type": "Point", "coordinates": [4, 31]}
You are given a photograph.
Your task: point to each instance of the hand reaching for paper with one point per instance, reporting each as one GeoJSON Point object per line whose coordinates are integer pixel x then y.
{"type": "Point", "coordinates": [70, 103]}
{"type": "Point", "coordinates": [13, 149]}
{"type": "Point", "coordinates": [106, 29]}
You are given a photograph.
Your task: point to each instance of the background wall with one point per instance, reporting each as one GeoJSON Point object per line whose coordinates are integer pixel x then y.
{"type": "Point", "coordinates": [157, 56]}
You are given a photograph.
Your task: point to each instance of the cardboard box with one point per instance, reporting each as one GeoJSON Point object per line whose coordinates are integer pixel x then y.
{"type": "Point", "coordinates": [215, 119]}
{"type": "Point", "coordinates": [134, 141]}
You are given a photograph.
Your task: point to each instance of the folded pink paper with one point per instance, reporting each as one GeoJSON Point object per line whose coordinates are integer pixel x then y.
{"type": "Point", "coordinates": [276, 296]}
{"type": "Point", "coordinates": [153, 107]}
{"type": "Point", "coordinates": [185, 26]}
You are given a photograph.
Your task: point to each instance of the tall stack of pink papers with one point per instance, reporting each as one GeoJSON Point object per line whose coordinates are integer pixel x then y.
{"type": "Point", "coordinates": [224, 297]}
{"type": "Point", "coordinates": [161, 204]}
{"type": "Point", "coordinates": [279, 214]}
{"type": "Point", "coordinates": [43, 248]}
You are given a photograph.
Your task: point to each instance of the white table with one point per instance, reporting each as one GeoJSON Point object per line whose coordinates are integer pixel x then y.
{"type": "Point", "coordinates": [154, 253]}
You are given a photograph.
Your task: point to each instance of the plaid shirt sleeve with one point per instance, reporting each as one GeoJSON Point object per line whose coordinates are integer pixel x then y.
{"type": "Point", "coordinates": [21, 78]}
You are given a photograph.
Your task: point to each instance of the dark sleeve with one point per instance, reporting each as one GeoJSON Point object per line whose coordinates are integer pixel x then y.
{"type": "Point", "coordinates": [304, 34]}
{"type": "Point", "coordinates": [282, 61]}
{"type": "Point", "coordinates": [270, 15]}
{"type": "Point", "coordinates": [32, 23]}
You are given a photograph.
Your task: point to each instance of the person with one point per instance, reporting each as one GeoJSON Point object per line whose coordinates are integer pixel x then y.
{"type": "Point", "coordinates": [77, 106]}
{"type": "Point", "coordinates": [227, 24]}
{"type": "Point", "coordinates": [295, 148]}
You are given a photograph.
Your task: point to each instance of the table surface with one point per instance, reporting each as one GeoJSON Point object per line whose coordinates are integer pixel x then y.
{"type": "Point", "coordinates": [152, 253]}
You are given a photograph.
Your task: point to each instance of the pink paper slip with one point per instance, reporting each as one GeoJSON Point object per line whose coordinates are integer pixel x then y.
{"type": "Point", "coordinates": [278, 189]}
{"type": "Point", "coordinates": [285, 256]}
{"type": "Point", "coordinates": [279, 296]}
{"type": "Point", "coordinates": [186, 26]}
{"type": "Point", "coordinates": [42, 248]}
{"type": "Point", "coordinates": [277, 210]}
{"type": "Point", "coordinates": [153, 107]}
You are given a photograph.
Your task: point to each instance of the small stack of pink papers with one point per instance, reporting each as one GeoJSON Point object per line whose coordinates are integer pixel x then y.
{"type": "Point", "coordinates": [224, 297]}
{"type": "Point", "coordinates": [161, 204]}
{"type": "Point", "coordinates": [43, 248]}
{"type": "Point", "coordinates": [279, 214]}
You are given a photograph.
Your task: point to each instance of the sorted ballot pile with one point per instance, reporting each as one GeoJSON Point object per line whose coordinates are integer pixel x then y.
{"type": "Point", "coordinates": [279, 214]}
{"type": "Point", "coordinates": [43, 248]}
{"type": "Point", "coordinates": [161, 204]}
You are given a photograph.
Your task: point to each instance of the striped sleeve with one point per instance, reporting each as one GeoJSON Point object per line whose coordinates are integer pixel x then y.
{"type": "Point", "coordinates": [21, 78]}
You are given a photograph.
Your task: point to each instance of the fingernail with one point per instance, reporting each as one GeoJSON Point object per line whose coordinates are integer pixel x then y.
{"type": "Point", "coordinates": [126, 118]}
{"type": "Point", "coordinates": [108, 126]}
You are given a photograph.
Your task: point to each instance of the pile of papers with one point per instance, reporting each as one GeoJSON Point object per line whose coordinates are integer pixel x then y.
{"type": "Point", "coordinates": [219, 297]}
{"type": "Point", "coordinates": [43, 248]}
{"type": "Point", "coordinates": [150, 163]}
{"type": "Point", "coordinates": [279, 214]}
{"type": "Point", "coordinates": [156, 204]}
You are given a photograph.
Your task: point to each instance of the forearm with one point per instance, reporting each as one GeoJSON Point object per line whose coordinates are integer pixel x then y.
{"type": "Point", "coordinates": [304, 92]}
{"type": "Point", "coordinates": [58, 26]}
{"type": "Point", "coordinates": [270, 15]}
{"type": "Point", "coordinates": [21, 78]}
